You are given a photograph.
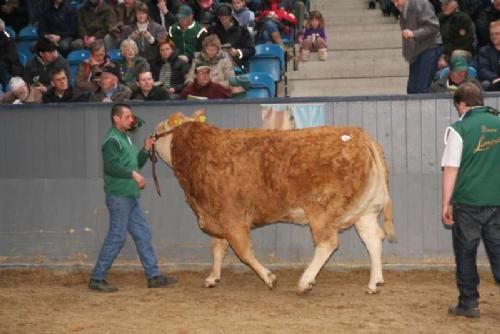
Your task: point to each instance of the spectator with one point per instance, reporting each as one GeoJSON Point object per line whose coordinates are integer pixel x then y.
{"type": "Point", "coordinates": [21, 93]}
{"type": "Point", "coordinates": [457, 29]}
{"type": "Point", "coordinates": [314, 37]}
{"type": "Point", "coordinates": [58, 23]}
{"type": "Point", "coordinates": [471, 7]}
{"type": "Point", "coordinates": [89, 70]}
{"type": "Point", "coordinates": [110, 88]}
{"type": "Point", "coordinates": [221, 66]}
{"type": "Point", "coordinates": [421, 42]}
{"type": "Point", "coordinates": [163, 11]}
{"type": "Point", "coordinates": [456, 76]}
{"type": "Point", "coordinates": [125, 13]}
{"type": "Point", "coordinates": [204, 12]}
{"type": "Point", "coordinates": [169, 70]}
{"type": "Point", "coordinates": [96, 20]}
{"type": "Point", "coordinates": [235, 39]}
{"type": "Point", "coordinates": [132, 64]}
{"type": "Point", "coordinates": [488, 67]}
{"type": "Point", "coordinates": [61, 91]}
{"type": "Point", "coordinates": [14, 14]}
{"type": "Point", "coordinates": [146, 90]}
{"type": "Point", "coordinates": [9, 60]}
{"type": "Point", "coordinates": [244, 16]}
{"type": "Point", "coordinates": [187, 34]}
{"type": "Point", "coordinates": [37, 71]}
{"type": "Point", "coordinates": [145, 33]}
{"type": "Point", "coordinates": [204, 88]}
{"type": "Point", "coordinates": [484, 18]}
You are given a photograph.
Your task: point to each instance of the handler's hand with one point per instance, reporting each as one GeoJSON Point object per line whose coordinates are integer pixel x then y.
{"type": "Point", "coordinates": [139, 179]}
{"type": "Point", "coordinates": [447, 215]}
{"type": "Point", "coordinates": [149, 142]}
{"type": "Point", "coordinates": [407, 34]}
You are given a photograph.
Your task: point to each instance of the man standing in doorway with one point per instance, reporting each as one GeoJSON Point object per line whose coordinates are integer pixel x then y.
{"type": "Point", "coordinates": [471, 196]}
{"type": "Point", "coordinates": [122, 184]}
{"type": "Point", "coordinates": [421, 42]}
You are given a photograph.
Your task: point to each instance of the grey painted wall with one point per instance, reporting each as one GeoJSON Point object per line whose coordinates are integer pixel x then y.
{"type": "Point", "coordinates": [52, 204]}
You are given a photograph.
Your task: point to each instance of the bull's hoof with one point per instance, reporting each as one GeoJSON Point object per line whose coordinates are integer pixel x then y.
{"type": "Point", "coordinates": [380, 283]}
{"type": "Point", "coordinates": [211, 282]}
{"type": "Point", "coordinates": [375, 291]}
{"type": "Point", "coordinates": [271, 281]}
{"type": "Point", "coordinates": [306, 288]}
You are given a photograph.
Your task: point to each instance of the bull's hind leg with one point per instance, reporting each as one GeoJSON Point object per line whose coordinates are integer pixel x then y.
{"type": "Point", "coordinates": [326, 241]}
{"type": "Point", "coordinates": [240, 241]}
{"type": "Point", "coordinates": [372, 235]}
{"type": "Point", "coordinates": [219, 249]}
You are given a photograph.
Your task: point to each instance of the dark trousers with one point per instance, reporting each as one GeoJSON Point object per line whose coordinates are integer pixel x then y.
{"type": "Point", "coordinates": [422, 71]}
{"type": "Point", "coordinates": [473, 223]}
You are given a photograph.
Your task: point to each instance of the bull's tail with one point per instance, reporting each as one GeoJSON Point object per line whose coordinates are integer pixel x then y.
{"type": "Point", "coordinates": [382, 169]}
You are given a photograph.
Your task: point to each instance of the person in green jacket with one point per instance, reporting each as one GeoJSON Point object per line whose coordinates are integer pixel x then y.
{"type": "Point", "coordinates": [122, 162]}
{"type": "Point", "coordinates": [471, 196]}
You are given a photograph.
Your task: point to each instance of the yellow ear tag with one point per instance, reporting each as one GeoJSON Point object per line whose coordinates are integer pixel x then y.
{"type": "Point", "coordinates": [201, 118]}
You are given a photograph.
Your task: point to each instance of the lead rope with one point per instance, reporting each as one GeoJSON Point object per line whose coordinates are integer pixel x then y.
{"type": "Point", "coordinates": [154, 159]}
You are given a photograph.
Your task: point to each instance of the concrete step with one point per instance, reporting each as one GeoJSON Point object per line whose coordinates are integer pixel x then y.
{"type": "Point", "coordinates": [357, 40]}
{"type": "Point", "coordinates": [348, 87]}
{"type": "Point", "coordinates": [380, 27]}
{"type": "Point", "coordinates": [341, 5]}
{"type": "Point", "coordinates": [361, 53]}
{"type": "Point", "coordinates": [336, 68]}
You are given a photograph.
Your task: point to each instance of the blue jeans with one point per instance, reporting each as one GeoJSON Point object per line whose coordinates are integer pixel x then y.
{"type": "Point", "coordinates": [471, 224]}
{"type": "Point", "coordinates": [125, 215]}
{"type": "Point", "coordinates": [422, 71]}
{"type": "Point", "coordinates": [267, 28]}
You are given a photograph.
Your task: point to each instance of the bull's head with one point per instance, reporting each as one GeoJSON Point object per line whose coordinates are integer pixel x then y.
{"type": "Point", "coordinates": [164, 129]}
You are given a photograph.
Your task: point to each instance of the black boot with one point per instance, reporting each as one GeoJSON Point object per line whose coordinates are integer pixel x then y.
{"type": "Point", "coordinates": [101, 286]}
{"type": "Point", "coordinates": [161, 281]}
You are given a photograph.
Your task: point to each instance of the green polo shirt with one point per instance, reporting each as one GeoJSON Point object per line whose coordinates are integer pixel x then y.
{"type": "Point", "coordinates": [120, 158]}
{"type": "Point", "coordinates": [478, 180]}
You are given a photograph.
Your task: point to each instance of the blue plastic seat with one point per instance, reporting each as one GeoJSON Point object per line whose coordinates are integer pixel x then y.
{"type": "Point", "coordinates": [271, 51]}
{"type": "Point", "coordinates": [261, 85]}
{"type": "Point", "coordinates": [268, 58]}
{"type": "Point", "coordinates": [471, 72]}
{"type": "Point", "coordinates": [23, 58]}
{"type": "Point", "coordinates": [77, 56]}
{"type": "Point", "coordinates": [10, 32]}
{"type": "Point", "coordinates": [27, 36]}
{"type": "Point", "coordinates": [115, 55]}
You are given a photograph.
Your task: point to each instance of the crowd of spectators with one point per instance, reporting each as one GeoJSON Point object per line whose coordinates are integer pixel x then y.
{"type": "Point", "coordinates": [469, 30]}
{"type": "Point", "coordinates": [162, 44]}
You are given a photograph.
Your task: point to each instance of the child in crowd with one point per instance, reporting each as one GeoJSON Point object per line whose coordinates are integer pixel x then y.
{"type": "Point", "coordinates": [314, 38]}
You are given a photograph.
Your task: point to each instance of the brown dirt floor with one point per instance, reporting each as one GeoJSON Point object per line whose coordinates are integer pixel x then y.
{"type": "Point", "coordinates": [416, 301]}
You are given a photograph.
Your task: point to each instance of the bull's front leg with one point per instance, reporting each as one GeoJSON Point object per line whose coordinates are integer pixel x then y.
{"type": "Point", "coordinates": [219, 249]}
{"type": "Point", "coordinates": [239, 239]}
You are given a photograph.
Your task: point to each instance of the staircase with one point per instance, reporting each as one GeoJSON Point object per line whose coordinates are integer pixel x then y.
{"type": "Point", "coordinates": [364, 54]}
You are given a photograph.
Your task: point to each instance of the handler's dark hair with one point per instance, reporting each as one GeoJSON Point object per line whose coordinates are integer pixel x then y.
{"type": "Point", "coordinates": [469, 93]}
{"type": "Point", "coordinates": [117, 109]}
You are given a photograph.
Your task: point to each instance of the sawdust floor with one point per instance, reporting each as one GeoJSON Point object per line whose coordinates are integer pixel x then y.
{"type": "Point", "coordinates": [48, 301]}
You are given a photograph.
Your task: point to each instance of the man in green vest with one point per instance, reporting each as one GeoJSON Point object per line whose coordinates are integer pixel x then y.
{"type": "Point", "coordinates": [122, 162]}
{"type": "Point", "coordinates": [471, 192]}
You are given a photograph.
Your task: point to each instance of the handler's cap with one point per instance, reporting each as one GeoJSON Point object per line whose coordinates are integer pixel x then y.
{"type": "Point", "coordinates": [202, 65]}
{"type": "Point", "coordinates": [184, 11]}
{"type": "Point", "coordinates": [137, 123]}
{"type": "Point", "coordinates": [458, 63]}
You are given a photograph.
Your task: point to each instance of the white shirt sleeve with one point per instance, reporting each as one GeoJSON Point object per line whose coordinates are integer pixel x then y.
{"type": "Point", "coordinates": [452, 154]}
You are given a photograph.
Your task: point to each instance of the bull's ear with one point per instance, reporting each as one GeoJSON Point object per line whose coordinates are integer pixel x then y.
{"type": "Point", "coordinates": [199, 116]}
{"type": "Point", "coordinates": [176, 119]}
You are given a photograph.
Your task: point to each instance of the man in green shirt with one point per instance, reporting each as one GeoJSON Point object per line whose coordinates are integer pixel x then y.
{"type": "Point", "coordinates": [471, 192]}
{"type": "Point", "coordinates": [122, 161]}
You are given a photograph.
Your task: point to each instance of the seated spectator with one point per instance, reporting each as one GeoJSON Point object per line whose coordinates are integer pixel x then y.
{"type": "Point", "coordinates": [244, 16]}
{"type": "Point", "coordinates": [37, 71]}
{"type": "Point", "coordinates": [21, 93]}
{"type": "Point", "coordinates": [169, 70]}
{"type": "Point", "coordinates": [221, 66]}
{"type": "Point", "coordinates": [146, 90]}
{"type": "Point", "coordinates": [110, 88]}
{"type": "Point", "coordinates": [484, 18]}
{"type": "Point", "coordinates": [457, 29]}
{"type": "Point", "coordinates": [187, 34]}
{"type": "Point", "coordinates": [96, 19]}
{"type": "Point", "coordinates": [145, 33]}
{"type": "Point", "coordinates": [163, 11]}
{"type": "Point", "coordinates": [14, 13]}
{"type": "Point", "coordinates": [89, 70]}
{"type": "Point", "coordinates": [456, 76]}
{"type": "Point", "coordinates": [203, 87]}
{"type": "Point", "coordinates": [61, 91]}
{"type": "Point", "coordinates": [314, 38]}
{"type": "Point", "coordinates": [236, 39]}
{"type": "Point", "coordinates": [125, 12]}
{"type": "Point", "coordinates": [488, 65]}
{"type": "Point", "coordinates": [9, 60]}
{"type": "Point", "coordinates": [131, 64]}
{"type": "Point", "coordinates": [59, 24]}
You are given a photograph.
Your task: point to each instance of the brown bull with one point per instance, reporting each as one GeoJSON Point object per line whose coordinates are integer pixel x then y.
{"type": "Point", "coordinates": [235, 180]}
